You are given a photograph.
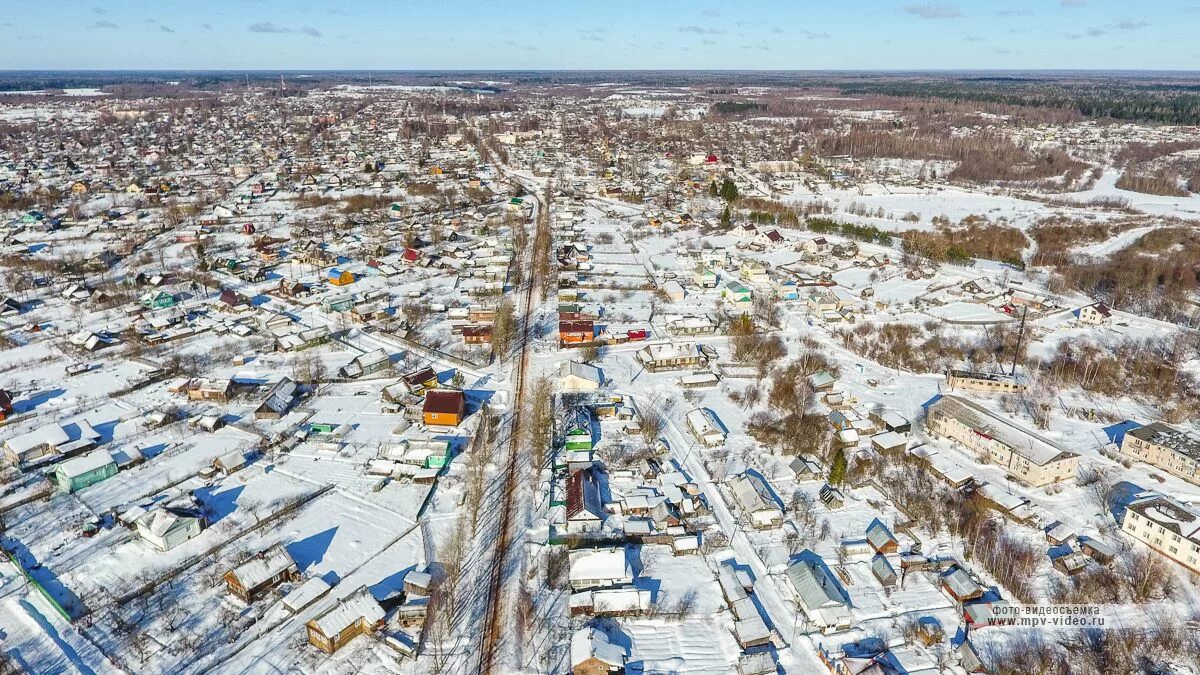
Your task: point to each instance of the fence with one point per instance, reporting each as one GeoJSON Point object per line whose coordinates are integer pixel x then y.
{"type": "Point", "coordinates": [40, 589]}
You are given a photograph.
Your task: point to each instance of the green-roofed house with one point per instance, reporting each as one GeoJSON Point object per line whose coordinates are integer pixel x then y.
{"type": "Point", "coordinates": [80, 472]}
{"type": "Point", "coordinates": [158, 300]}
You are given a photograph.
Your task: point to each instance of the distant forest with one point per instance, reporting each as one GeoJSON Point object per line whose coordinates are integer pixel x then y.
{"type": "Point", "coordinates": [1168, 98]}
{"type": "Point", "coordinates": [1118, 98]}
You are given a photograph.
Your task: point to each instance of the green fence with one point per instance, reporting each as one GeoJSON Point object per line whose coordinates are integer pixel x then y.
{"type": "Point", "coordinates": [41, 589]}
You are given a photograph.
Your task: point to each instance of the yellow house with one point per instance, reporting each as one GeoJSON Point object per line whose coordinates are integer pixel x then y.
{"type": "Point", "coordinates": [134, 189]}
{"type": "Point", "coordinates": [436, 171]}
{"type": "Point", "coordinates": [79, 187]}
{"type": "Point", "coordinates": [340, 277]}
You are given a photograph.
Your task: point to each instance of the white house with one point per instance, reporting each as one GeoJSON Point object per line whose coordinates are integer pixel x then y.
{"type": "Point", "coordinates": [819, 594]}
{"type": "Point", "coordinates": [599, 568]}
{"type": "Point", "coordinates": [754, 497]}
{"type": "Point", "coordinates": [705, 426]}
{"type": "Point", "coordinates": [168, 526]}
{"type": "Point", "coordinates": [1094, 314]}
{"type": "Point", "coordinates": [579, 377]}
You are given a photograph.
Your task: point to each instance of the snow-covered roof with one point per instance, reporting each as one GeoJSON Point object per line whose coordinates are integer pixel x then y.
{"type": "Point", "coordinates": [580, 370]}
{"type": "Point", "coordinates": [1023, 442]}
{"type": "Point", "coordinates": [588, 643]}
{"type": "Point", "coordinates": [359, 605]}
{"type": "Point", "coordinates": [78, 466]}
{"type": "Point", "coordinates": [819, 593]}
{"type": "Point", "coordinates": [51, 434]}
{"type": "Point", "coordinates": [599, 563]}
{"type": "Point", "coordinates": [306, 594]}
{"type": "Point", "coordinates": [263, 567]}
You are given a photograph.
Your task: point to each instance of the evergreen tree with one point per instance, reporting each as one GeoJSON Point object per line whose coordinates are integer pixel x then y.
{"type": "Point", "coordinates": [726, 217]}
{"type": "Point", "coordinates": [837, 468]}
{"type": "Point", "coordinates": [729, 191]}
{"type": "Point", "coordinates": [712, 189]}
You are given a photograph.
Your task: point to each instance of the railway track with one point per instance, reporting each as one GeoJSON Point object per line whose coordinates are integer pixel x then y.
{"type": "Point", "coordinates": [496, 608]}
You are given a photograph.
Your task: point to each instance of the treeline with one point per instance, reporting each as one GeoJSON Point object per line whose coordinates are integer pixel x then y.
{"type": "Point", "coordinates": [1152, 369]}
{"type": "Point", "coordinates": [1161, 182]}
{"type": "Point", "coordinates": [1143, 102]}
{"type": "Point", "coordinates": [960, 246]}
{"type": "Point", "coordinates": [735, 107]}
{"type": "Point", "coordinates": [1057, 236]}
{"type": "Point", "coordinates": [1157, 275]}
{"type": "Point", "coordinates": [867, 233]}
{"type": "Point", "coordinates": [981, 157]}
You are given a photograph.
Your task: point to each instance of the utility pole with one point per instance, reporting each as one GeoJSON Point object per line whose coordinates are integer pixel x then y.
{"type": "Point", "coordinates": [1020, 336]}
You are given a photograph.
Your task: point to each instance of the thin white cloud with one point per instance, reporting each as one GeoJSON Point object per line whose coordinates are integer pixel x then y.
{"type": "Point", "coordinates": [699, 30]}
{"type": "Point", "coordinates": [1130, 24]}
{"type": "Point", "coordinates": [104, 24]}
{"type": "Point", "coordinates": [933, 10]}
{"type": "Point", "coordinates": [267, 27]}
{"type": "Point", "coordinates": [310, 31]}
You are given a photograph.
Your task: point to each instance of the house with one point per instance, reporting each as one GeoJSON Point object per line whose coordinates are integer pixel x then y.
{"type": "Point", "coordinates": [737, 294]}
{"type": "Point", "coordinates": [1023, 454]}
{"type": "Point", "coordinates": [211, 390]}
{"type": "Point", "coordinates": [1168, 526]}
{"type": "Point", "coordinates": [585, 513]}
{"type": "Point", "coordinates": [343, 302]}
{"type": "Point", "coordinates": [279, 400]}
{"type": "Point", "coordinates": [818, 593]}
{"type": "Point", "coordinates": [157, 300]}
{"type": "Point", "coordinates": [1173, 450]}
{"type": "Point", "coordinates": [1096, 314]}
{"type": "Point", "coordinates": [831, 496]}
{"type": "Point", "coordinates": [576, 332]}
{"type": "Point", "coordinates": [166, 527]}
{"type": "Point", "coordinates": [883, 571]}
{"type": "Point", "coordinates": [233, 300]}
{"type": "Point", "coordinates": [444, 407]}
{"type": "Point", "coordinates": [338, 277]}
{"type": "Point", "coordinates": [881, 538]}
{"type": "Point", "coordinates": [890, 420]}
{"type": "Point", "coordinates": [673, 290]}
{"type": "Point", "coordinates": [960, 585]}
{"type": "Point", "coordinates": [230, 462]}
{"type": "Point", "coordinates": [428, 453]}
{"type": "Point", "coordinates": [577, 429]}
{"type": "Point", "coordinates": [705, 426]}
{"type": "Point", "coordinates": [593, 653]}
{"type": "Point", "coordinates": [755, 498]}
{"type": "Point", "coordinates": [265, 570]}
{"type": "Point", "coordinates": [1097, 550]}
{"type": "Point", "coordinates": [370, 363]}
{"type": "Point", "coordinates": [419, 380]}
{"type": "Point", "coordinates": [354, 615]}
{"type": "Point", "coordinates": [574, 377]}
{"type": "Point", "coordinates": [805, 467]}
{"type": "Point", "coordinates": [822, 380]}
{"type": "Point", "coordinates": [51, 439]}
{"type": "Point", "coordinates": [1071, 564]}
{"type": "Point", "coordinates": [666, 356]}
{"type": "Point", "coordinates": [598, 568]}
{"type": "Point", "coordinates": [706, 278]}
{"type": "Point", "coordinates": [80, 472]}
{"type": "Point", "coordinates": [786, 289]}
{"type": "Point", "coordinates": [477, 335]}
{"type": "Point", "coordinates": [10, 306]}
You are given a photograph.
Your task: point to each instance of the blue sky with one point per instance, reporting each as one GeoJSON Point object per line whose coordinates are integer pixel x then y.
{"type": "Point", "coordinates": [609, 34]}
